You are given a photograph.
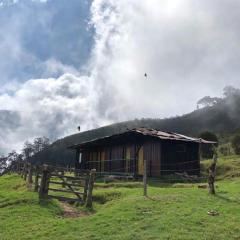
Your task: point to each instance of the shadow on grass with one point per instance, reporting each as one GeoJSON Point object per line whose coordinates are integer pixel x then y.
{"type": "Point", "coordinates": [16, 202]}
{"type": "Point", "coordinates": [105, 197]}
{"type": "Point", "coordinates": [226, 199]}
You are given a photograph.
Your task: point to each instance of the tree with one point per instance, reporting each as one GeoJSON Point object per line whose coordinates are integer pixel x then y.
{"type": "Point", "coordinates": [40, 143]}
{"type": "Point", "coordinates": [229, 91]}
{"type": "Point", "coordinates": [3, 164]}
{"type": "Point", "coordinates": [236, 143]}
{"type": "Point", "coordinates": [207, 149]}
{"type": "Point", "coordinates": [225, 149]}
{"type": "Point", "coordinates": [9, 162]}
{"type": "Point", "coordinates": [208, 101]}
{"type": "Point", "coordinates": [27, 151]}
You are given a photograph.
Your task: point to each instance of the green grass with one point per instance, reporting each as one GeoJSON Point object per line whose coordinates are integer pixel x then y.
{"type": "Point", "coordinates": [175, 211]}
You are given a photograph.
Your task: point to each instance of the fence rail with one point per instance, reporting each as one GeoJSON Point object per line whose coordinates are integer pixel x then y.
{"type": "Point", "coordinates": [53, 182]}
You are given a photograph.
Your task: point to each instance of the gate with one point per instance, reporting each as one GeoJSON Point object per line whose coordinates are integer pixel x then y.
{"type": "Point", "coordinates": [57, 183]}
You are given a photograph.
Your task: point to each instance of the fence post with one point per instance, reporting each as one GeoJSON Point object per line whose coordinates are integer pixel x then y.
{"type": "Point", "coordinates": [86, 188]}
{"type": "Point", "coordinates": [62, 174]}
{"type": "Point", "coordinates": [145, 178]}
{"type": "Point", "coordinates": [22, 169]}
{"type": "Point", "coordinates": [43, 191]}
{"type": "Point", "coordinates": [212, 174]}
{"type": "Point", "coordinates": [18, 167]}
{"type": "Point", "coordinates": [30, 172]}
{"type": "Point", "coordinates": [25, 171]}
{"type": "Point", "coordinates": [36, 179]}
{"type": "Point", "coordinates": [90, 188]}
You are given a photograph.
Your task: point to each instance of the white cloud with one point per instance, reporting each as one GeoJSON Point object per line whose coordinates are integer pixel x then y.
{"type": "Point", "coordinates": [184, 47]}
{"type": "Point", "coordinates": [189, 49]}
{"type": "Point", "coordinates": [51, 107]}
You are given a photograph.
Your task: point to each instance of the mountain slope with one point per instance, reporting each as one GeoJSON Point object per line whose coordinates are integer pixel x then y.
{"type": "Point", "coordinates": [222, 118]}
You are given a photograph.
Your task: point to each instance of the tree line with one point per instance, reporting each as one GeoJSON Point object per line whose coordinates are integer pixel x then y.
{"type": "Point", "coordinates": [28, 151]}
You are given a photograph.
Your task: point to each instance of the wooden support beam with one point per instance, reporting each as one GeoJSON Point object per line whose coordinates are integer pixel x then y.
{"type": "Point", "coordinates": [86, 188]}
{"type": "Point", "coordinates": [25, 171]}
{"type": "Point", "coordinates": [30, 173]}
{"type": "Point", "coordinates": [212, 174]}
{"type": "Point", "coordinates": [43, 191]}
{"type": "Point", "coordinates": [90, 188]}
{"type": "Point", "coordinates": [145, 178]}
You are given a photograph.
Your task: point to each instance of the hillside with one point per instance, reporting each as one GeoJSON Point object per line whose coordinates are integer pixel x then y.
{"type": "Point", "coordinates": [221, 118]}
{"type": "Point", "coordinates": [172, 211]}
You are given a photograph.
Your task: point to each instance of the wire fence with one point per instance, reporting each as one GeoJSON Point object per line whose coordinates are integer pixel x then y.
{"type": "Point", "coordinates": [130, 166]}
{"type": "Point", "coordinates": [157, 175]}
{"type": "Point", "coordinates": [132, 159]}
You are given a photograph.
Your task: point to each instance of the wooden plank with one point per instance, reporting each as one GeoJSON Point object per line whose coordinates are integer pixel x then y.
{"type": "Point", "coordinates": [66, 191]}
{"type": "Point", "coordinates": [83, 171]}
{"type": "Point", "coordinates": [140, 161]}
{"type": "Point", "coordinates": [62, 183]}
{"type": "Point", "coordinates": [43, 191]}
{"type": "Point", "coordinates": [69, 186]}
{"type": "Point", "coordinates": [145, 178]}
{"type": "Point", "coordinates": [69, 177]}
{"type": "Point", "coordinates": [90, 188]}
{"type": "Point", "coordinates": [66, 199]}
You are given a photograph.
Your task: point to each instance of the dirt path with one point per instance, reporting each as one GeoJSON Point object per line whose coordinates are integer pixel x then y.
{"type": "Point", "coordinates": [71, 212]}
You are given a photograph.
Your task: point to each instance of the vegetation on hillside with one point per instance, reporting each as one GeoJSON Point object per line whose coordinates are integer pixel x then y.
{"type": "Point", "coordinates": [236, 143]}
{"type": "Point", "coordinates": [220, 117]}
{"type": "Point", "coordinates": [29, 150]}
{"type": "Point", "coordinates": [227, 167]}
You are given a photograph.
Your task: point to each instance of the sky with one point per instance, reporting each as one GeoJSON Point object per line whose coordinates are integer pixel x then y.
{"type": "Point", "coordinates": [66, 63]}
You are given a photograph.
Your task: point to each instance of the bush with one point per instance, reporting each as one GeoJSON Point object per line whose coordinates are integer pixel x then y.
{"type": "Point", "coordinates": [236, 144]}
{"type": "Point", "coordinates": [225, 150]}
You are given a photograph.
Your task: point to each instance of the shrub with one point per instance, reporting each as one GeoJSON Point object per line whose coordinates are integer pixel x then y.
{"type": "Point", "coordinates": [225, 150]}
{"type": "Point", "coordinates": [236, 143]}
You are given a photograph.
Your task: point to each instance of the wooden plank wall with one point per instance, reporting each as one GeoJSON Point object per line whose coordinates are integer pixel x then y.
{"type": "Point", "coordinates": [152, 154]}
{"type": "Point", "coordinates": [163, 157]}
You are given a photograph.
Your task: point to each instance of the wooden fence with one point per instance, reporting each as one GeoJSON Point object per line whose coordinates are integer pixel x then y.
{"type": "Point", "coordinates": [58, 182]}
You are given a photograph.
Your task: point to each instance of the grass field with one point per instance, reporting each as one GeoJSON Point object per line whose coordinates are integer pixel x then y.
{"type": "Point", "coordinates": [177, 211]}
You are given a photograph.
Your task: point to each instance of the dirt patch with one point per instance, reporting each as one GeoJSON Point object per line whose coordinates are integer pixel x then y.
{"type": "Point", "coordinates": [71, 212]}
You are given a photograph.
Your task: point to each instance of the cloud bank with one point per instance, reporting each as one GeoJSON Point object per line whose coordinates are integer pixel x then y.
{"type": "Point", "coordinates": [188, 49]}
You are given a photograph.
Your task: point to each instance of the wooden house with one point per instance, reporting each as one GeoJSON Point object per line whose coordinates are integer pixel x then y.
{"type": "Point", "coordinates": [164, 152]}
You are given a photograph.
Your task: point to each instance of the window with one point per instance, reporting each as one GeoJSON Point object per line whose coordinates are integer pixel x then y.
{"type": "Point", "coordinates": [181, 148]}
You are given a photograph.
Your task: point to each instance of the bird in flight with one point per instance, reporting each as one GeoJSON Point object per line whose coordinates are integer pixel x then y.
{"type": "Point", "coordinates": [145, 75]}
